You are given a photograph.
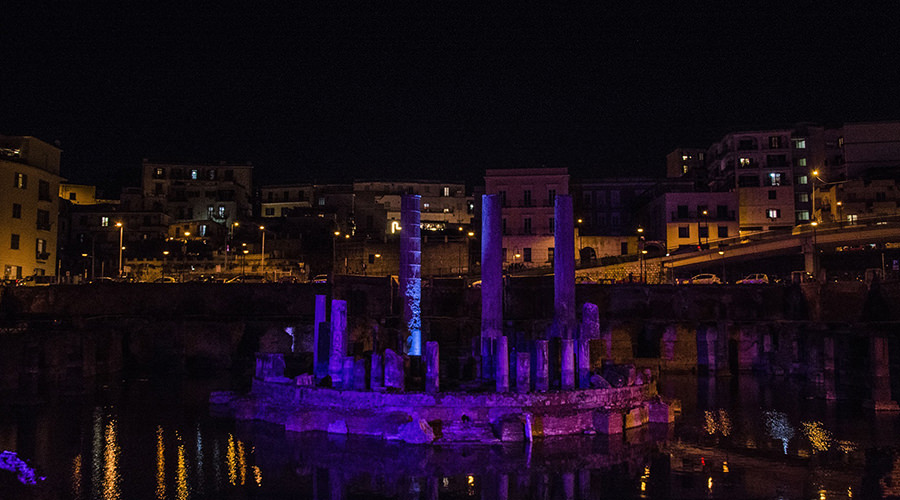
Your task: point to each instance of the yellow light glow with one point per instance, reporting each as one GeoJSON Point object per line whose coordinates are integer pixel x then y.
{"type": "Point", "coordinates": [470, 480]}
{"type": "Point", "coordinates": [640, 230]}
{"type": "Point", "coordinates": [160, 465]}
{"type": "Point", "coordinates": [377, 255]}
{"type": "Point", "coordinates": [257, 475]}
{"type": "Point", "coordinates": [643, 251]}
{"type": "Point", "coordinates": [111, 477]}
{"type": "Point", "coordinates": [76, 477]}
{"type": "Point", "coordinates": [815, 172]}
{"type": "Point", "coordinates": [165, 252]}
{"type": "Point", "coordinates": [819, 437]}
{"type": "Point", "coordinates": [822, 494]}
{"type": "Point", "coordinates": [84, 255]}
{"type": "Point", "coordinates": [187, 233]}
{"type": "Point", "coordinates": [181, 486]}
{"type": "Point", "coordinates": [118, 224]}
{"type": "Point", "coordinates": [579, 221]}
{"type": "Point", "coordinates": [262, 228]}
{"type": "Point", "coordinates": [471, 233]}
{"type": "Point", "coordinates": [725, 466]}
{"type": "Point", "coordinates": [460, 228]}
{"type": "Point", "coordinates": [242, 461]}
{"type": "Point", "coordinates": [721, 252]}
{"type": "Point", "coordinates": [346, 236]}
{"type": "Point", "coordinates": [231, 460]}
{"type": "Point", "coordinates": [709, 483]}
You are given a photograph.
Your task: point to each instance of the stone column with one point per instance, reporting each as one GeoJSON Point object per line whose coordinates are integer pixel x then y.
{"type": "Point", "coordinates": [564, 267]}
{"type": "Point", "coordinates": [541, 366]}
{"type": "Point", "coordinates": [410, 269]}
{"type": "Point", "coordinates": [583, 358]}
{"type": "Point", "coordinates": [590, 321]}
{"type": "Point", "coordinates": [879, 361]}
{"type": "Point", "coordinates": [338, 341]}
{"type": "Point", "coordinates": [359, 375]}
{"type": "Point", "coordinates": [491, 279]}
{"type": "Point", "coordinates": [320, 358]}
{"type": "Point", "coordinates": [523, 372]}
{"type": "Point", "coordinates": [432, 367]}
{"type": "Point", "coordinates": [393, 370]}
{"type": "Point", "coordinates": [567, 377]}
{"type": "Point", "coordinates": [377, 372]}
{"type": "Point", "coordinates": [347, 373]}
{"type": "Point", "coordinates": [502, 362]}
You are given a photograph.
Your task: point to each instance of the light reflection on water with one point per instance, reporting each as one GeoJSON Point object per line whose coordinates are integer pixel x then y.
{"type": "Point", "coordinates": [734, 440]}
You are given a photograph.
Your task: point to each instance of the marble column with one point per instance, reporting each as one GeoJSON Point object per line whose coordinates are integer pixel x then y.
{"type": "Point", "coordinates": [564, 267]}
{"type": "Point", "coordinates": [432, 367]}
{"type": "Point", "coordinates": [583, 359]}
{"type": "Point", "coordinates": [567, 376]}
{"type": "Point", "coordinates": [320, 358]}
{"type": "Point", "coordinates": [410, 271]}
{"type": "Point", "coordinates": [541, 366]}
{"type": "Point", "coordinates": [338, 341]}
{"type": "Point", "coordinates": [491, 279]}
{"type": "Point", "coordinates": [502, 362]}
{"type": "Point", "coordinates": [523, 372]}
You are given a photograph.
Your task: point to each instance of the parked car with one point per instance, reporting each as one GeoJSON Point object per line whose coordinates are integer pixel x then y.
{"type": "Point", "coordinates": [754, 279]}
{"type": "Point", "coordinates": [246, 278]}
{"type": "Point", "coordinates": [165, 279]}
{"type": "Point", "coordinates": [704, 279]}
{"type": "Point", "coordinates": [322, 278]}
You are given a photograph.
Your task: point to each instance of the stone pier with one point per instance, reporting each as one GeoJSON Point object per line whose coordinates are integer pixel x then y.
{"type": "Point", "coordinates": [491, 279]}
{"type": "Point", "coordinates": [338, 341]}
{"type": "Point", "coordinates": [880, 374]}
{"type": "Point", "coordinates": [583, 361]}
{"type": "Point", "coordinates": [706, 349]}
{"type": "Point", "coordinates": [410, 271]}
{"type": "Point", "coordinates": [564, 267]}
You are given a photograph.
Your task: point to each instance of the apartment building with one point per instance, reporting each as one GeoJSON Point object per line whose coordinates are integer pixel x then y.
{"type": "Point", "coordinates": [527, 198]}
{"type": "Point", "coordinates": [29, 188]}
{"type": "Point", "coordinates": [443, 205]}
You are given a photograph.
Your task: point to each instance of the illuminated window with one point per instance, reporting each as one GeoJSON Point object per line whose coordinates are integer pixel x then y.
{"type": "Point", "coordinates": [799, 143]}
{"type": "Point", "coordinates": [202, 229]}
{"type": "Point", "coordinates": [774, 142]}
{"type": "Point", "coordinates": [40, 247]}
{"type": "Point", "coordinates": [104, 221]}
{"type": "Point", "coordinates": [774, 179]}
{"type": "Point", "coordinates": [684, 157]}
{"type": "Point", "coordinates": [746, 162]}
{"type": "Point", "coordinates": [801, 162]}
{"type": "Point", "coordinates": [802, 179]}
{"type": "Point", "coordinates": [322, 201]}
{"type": "Point", "coordinates": [773, 213]}
{"type": "Point", "coordinates": [802, 215]}
{"type": "Point", "coordinates": [684, 169]}
{"type": "Point", "coordinates": [803, 197]}
{"type": "Point", "coordinates": [212, 174]}
{"type": "Point", "coordinates": [221, 210]}
{"type": "Point", "coordinates": [20, 181]}
{"type": "Point", "coordinates": [210, 210]}
{"type": "Point", "coordinates": [160, 173]}
{"type": "Point", "coordinates": [446, 191]}
{"type": "Point", "coordinates": [194, 174]}
{"type": "Point", "coordinates": [426, 206]}
{"type": "Point", "coordinates": [852, 218]}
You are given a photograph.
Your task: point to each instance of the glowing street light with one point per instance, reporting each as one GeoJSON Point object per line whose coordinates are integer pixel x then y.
{"type": "Point", "coordinates": [263, 249]}
{"type": "Point", "coordinates": [121, 235]}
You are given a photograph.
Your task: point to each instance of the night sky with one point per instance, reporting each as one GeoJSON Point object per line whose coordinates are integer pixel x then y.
{"type": "Point", "coordinates": [359, 92]}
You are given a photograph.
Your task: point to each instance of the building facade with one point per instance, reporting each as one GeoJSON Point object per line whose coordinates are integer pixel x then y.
{"type": "Point", "coordinates": [29, 189]}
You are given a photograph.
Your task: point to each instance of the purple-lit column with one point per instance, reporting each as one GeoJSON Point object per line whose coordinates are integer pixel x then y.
{"type": "Point", "coordinates": [320, 356]}
{"type": "Point", "coordinates": [564, 267]}
{"type": "Point", "coordinates": [541, 366]}
{"type": "Point", "coordinates": [338, 341]}
{"type": "Point", "coordinates": [410, 270]}
{"type": "Point", "coordinates": [491, 279]}
{"type": "Point", "coordinates": [523, 372]}
{"type": "Point", "coordinates": [432, 367]}
{"type": "Point", "coordinates": [590, 329]}
{"type": "Point", "coordinates": [502, 361]}
{"type": "Point", "coordinates": [567, 378]}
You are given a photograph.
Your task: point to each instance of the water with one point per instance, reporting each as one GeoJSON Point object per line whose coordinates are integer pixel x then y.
{"type": "Point", "coordinates": [736, 438]}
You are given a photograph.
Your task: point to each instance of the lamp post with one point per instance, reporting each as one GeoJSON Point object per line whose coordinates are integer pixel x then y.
{"type": "Point", "coordinates": [722, 253]}
{"type": "Point", "coordinates": [165, 254]}
{"type": "Point", "coordinates": [184, 249]}
{"type": "Point", "coordinates": [121, 235]}
{"type": "Point", "coordinates": [334, 253]}
{"type": "Point", "coordinates": [230, 241]}
{"type": "Point", "coordinates": [705, 226]}
{"type": "Point", "coordinates": [262, 258]}
{"type": "Point", "coordinates": [243, 256]}
{"type": "Point", "coordinates": [815, 259]}
{"type": "Point", "coordinates": [641, 251]}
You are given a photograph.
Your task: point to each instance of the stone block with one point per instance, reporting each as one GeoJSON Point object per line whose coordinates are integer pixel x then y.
{"type": "Point", "coordinates": [608, 422]}
{"type": "Point", "coordinates": [598, 382]}
{"type": "Point", "coordinates": [509, 428]}
{"type": "Point", "coordinates": [636, 417]}
{"type": "Point", "coordinates": [338, 427]}
{"type": "Point", "coordinates": [348, 366]}
{"type": "Point", "coordinates": [359, 375]}
{"type": "Point", "coordinates": [660, 412]}
{"type": "Point", "coordinates": [269, 365]}
{"type": "Point", "coordinates": [415, 432]}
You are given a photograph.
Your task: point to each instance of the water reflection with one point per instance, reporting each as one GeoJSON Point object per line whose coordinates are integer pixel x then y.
{"type": "Point", "coordinates": [745, 442]}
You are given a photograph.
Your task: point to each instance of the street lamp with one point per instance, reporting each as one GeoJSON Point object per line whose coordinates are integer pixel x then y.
{"type": "Point", "coordinates": [262, 258]}
{"type": "Point", "coordinates": [121, 234]}
{"type": "Point", "coordinates": [705, 226]}
{"type": "Point", "coordinates": [230, 241]}
{"type": "Point", "coordinates": [243, 256]}
{"type": "Point", "coordinates": [184, 249]}
{"type": "Point", "coordinates": [641, 251]}
{"type": "Point", "coordinates": [722, 253]}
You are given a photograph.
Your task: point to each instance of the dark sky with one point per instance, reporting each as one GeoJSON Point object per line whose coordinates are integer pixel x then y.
{"type": "Point", "coordinates": [363, 92]}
